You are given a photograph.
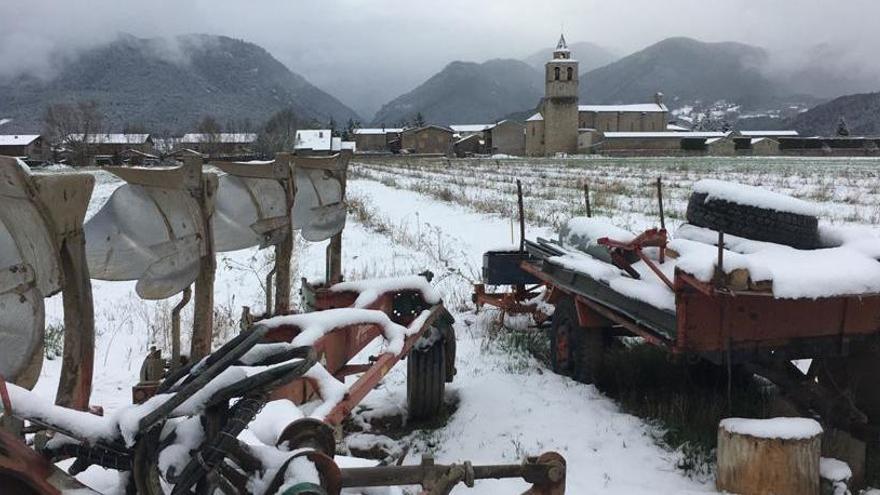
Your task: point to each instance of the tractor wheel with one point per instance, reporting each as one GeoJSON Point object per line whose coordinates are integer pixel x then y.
{"type": "Point", "coordinates": [563, 328]}
{"type": "Point", "coordinates": [751, 222]}
{"type": "Point", "coordinates": [589, 346]}
{"type": "Point", "coordinates": [426, 373]}
{"type": "Point", "coordinates": [145, 478]}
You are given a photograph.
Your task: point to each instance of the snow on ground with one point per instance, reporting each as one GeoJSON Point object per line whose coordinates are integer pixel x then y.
{"type": "Point", "coordinates": [508, 406]}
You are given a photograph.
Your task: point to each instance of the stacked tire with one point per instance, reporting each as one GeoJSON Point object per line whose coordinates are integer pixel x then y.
{"type": "Point", "coordinates": [759, 224]}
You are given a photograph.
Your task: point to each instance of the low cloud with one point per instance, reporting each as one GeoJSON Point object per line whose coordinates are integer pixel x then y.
{"type": "Point", "coordinates": [392, 46]}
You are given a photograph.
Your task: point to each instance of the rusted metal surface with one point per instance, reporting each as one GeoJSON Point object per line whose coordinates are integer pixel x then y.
{"type": "Point", "coordinates": [546, 473]}
{"type": "Point", "coordinates": [24, 471]}
{"type": "Point", "coordinates": [337, 348]}
{"type": "Point", "coordinates": [42, 251]}
{"type": "Point", "coordinates": [511, 302]}
{"type": "Point", "coordinates": [708, 319]}
{"type": "Point", "coordinates": [650, 238]}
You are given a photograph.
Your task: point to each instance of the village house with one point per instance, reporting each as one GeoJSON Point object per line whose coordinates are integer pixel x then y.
{"type": "Point", "coordinates": [220, 144]}
{"type": "Point", "coordinates": [376, 140]}
{"type": "Point", "coordinates": [29, 147]}
{"type": "Point", "coordinates": [505, 137]}
{"type": "Point", "coordinates": [428, 140]}
{"type": "Point", "coordinates": [320, 142]}
{"type": "Point", "coordinates": [103, 149]}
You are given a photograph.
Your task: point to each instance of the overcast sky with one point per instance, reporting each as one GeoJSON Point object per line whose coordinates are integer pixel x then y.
{"type": "Point", "coordinates": [376, 49]}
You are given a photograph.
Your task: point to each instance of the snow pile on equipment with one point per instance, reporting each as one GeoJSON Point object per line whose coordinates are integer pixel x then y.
{"type": "Point", "coordinates": [743, 194]}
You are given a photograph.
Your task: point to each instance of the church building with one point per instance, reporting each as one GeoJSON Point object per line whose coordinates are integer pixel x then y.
{"type": "Point", "coordinates": [562, 126]}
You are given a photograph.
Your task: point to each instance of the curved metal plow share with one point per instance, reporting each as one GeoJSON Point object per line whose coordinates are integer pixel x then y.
{"type": "Point", "coordinates": [42, 252]}
{"type": "Point", "coordinates": [156, 229]}
{"type": "Point", "coordinates": [253, 209]}
{"type": "Point", "coordinates": [319, 206]}
{"type": "Point", "coordinates": [260, 203]}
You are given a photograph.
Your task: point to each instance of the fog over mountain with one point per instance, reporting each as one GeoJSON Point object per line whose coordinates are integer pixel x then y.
{"type": "Point", "coordinates": [368, 52]}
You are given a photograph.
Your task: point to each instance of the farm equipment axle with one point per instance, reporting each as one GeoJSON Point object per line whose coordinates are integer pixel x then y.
{"type": "Point", "coordinates": [546, 473]}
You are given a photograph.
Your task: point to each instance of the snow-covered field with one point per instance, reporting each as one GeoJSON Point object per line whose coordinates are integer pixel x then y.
{"type": "Point", "coordinates": [413, 215]}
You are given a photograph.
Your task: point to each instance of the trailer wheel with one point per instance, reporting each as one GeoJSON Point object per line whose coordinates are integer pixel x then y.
{"type": "Point", "coordinates": [426, 374]}
{"type": "Point", "coordinates": [760, 224]}
{"type": "Point", "coordinates": [562, 328]}
{"type": "Point", "coordinates": [588, 353]}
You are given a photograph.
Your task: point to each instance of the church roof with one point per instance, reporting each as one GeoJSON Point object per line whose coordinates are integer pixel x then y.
{"type": "Point", "coordinates": [639, 107]}
{"type": "Point", "coordinates": [561, 46]}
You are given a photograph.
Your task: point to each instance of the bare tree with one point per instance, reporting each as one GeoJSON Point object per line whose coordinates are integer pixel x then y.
{"type": "Point", "coordinates": [74, 129]}
{"type": "Point", "coordinates": [210, 131]}
{"type": "Point", "coordinates": [278, 134]}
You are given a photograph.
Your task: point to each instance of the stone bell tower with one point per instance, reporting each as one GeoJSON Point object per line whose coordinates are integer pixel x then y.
{"type": "Point", "coordinates": [560, 105]}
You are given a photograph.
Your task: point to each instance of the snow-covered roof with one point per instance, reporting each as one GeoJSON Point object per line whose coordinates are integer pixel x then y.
{"type": "Point", "coordinates": [378, 130]}
{"type": "Point", "coordinates": [17, 139]}
{"type": "Point", "coordinates": [349, 145]}
{"type": "Point", "coordinates": [668, 134]}
{"type": "Point", "coordinates": [335, 144]}
{"type": "Point", "coordinates": [714, 140]}
{"type": "Point", "coordinates": [471, 127]}
{"type": "Point", "coordinates": [638, 107]}
{"type": "Point", "coordinates": [5, 121]}
{"type": "Point", "coordinates": [677, 128]}
{"type": "Point", "coordinates": [778, 133]}
{"type": "Point", "coordinates": [112, 138]}
{"type": "Point", "coordinates": [314, 139]}
{"type": "Point", "coordinates": [222, 137]}
{"type": "Point", "coordinates": [429, 126]}
{"type": "Point", "coordinates": [758, 140]}
{"type": "Point", "coordinates": [535, 118]}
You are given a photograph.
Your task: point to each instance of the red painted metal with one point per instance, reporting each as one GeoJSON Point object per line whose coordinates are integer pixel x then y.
{"type": "Point", "coordinates": [511, 302]}
{"type": "Point", "coordinates": [649, 238]}
{"type": "Point", "coordinates": [339, 346]}
{"type": "Point", "coordinates": [712, 320]}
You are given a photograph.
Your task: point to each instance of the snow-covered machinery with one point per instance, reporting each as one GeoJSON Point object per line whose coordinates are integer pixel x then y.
{"type": "Point", "coordinates": [751, 280]}
{"type": "Point", "coordinates": [216, 425]}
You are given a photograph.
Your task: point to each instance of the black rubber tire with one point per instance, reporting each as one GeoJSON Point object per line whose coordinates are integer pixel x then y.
{"type": "Point", "coordinates": [562, 328]}
{"type": "Point", "coordinates": [760, 224]}
{"type": "Point", "coordinates": [426, 381]}
{"type": "Point", "coordinates": [589, 346]}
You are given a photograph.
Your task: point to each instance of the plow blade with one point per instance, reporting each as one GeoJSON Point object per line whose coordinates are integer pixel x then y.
{"type": "Point", "coordinates": [319, 206]}
{"type": "Point", "coordinates": [150, 230]}
{"type": "Point", "coordinates": [36, 212]}
{"type": "Point", "coordinates": [251, 206]}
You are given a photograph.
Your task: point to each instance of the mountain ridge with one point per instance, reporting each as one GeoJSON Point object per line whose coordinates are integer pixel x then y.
{"type": "Point", "coordinates": [169, 84]}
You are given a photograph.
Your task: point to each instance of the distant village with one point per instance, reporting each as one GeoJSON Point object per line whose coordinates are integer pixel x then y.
{"type": "Point", "coordinates": [560, 127]}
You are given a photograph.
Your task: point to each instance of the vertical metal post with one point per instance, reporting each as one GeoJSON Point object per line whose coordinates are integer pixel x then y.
{"type": "Point", "coordinates": [522, 216]}
{"type": "Point", "coordinates": [587, 199]}
{"type": "Point", "coordinates": [203, 189]}
{"type": "Point", "coordinates": [63, 203]}
{"type": "Point", "coordinates": [719, 265]}
{"type": "Point", "coordinates": [660, 202]}
{"type": "Point", "coordinates": [186, 295]}
{"type": "Point", "coordinates": [284, 249]}
{"type": "Point", "coordinates": [334, 249]}
{"type": "Point", "coordinates": [75, 385]}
